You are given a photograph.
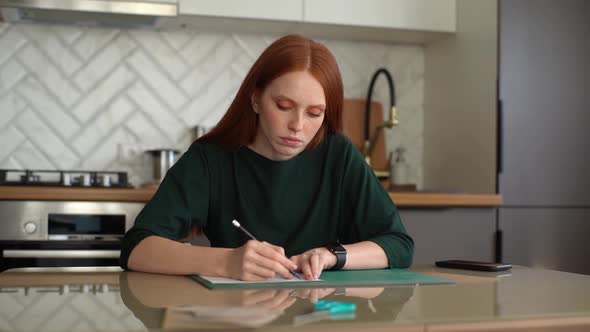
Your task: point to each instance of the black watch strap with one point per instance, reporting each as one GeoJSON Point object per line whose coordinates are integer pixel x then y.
{"type": "Point", "coordinates": [338, 250]}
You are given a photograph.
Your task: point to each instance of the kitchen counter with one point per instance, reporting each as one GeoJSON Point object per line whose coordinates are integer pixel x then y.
{"type": "Point", "coordinates": [401, 199]}
{"type": "Point", "coordinates": [522, 299]}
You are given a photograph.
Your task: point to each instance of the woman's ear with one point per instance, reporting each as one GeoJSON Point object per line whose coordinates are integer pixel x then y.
{"type": "Point", "coordinates": [254, 101]}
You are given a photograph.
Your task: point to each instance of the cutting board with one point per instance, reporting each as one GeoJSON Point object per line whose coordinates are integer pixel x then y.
{"type": "Point", "coordinates": [353, 126]}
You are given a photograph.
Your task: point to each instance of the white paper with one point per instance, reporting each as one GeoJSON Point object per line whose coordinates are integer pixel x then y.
{"type": "Point", "coordinates": [222, 280]}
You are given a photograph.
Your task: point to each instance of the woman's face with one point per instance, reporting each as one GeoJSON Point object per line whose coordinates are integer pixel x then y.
{"type": "Point", "coordinates": [290, 113]}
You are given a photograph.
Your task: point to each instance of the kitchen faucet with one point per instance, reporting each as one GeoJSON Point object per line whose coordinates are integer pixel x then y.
{"type": "Point", "coordinates": [390, 123]}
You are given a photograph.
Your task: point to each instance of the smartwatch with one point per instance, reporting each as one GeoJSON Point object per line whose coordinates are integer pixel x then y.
{"type": "Point", "coordinates": [338, 250]}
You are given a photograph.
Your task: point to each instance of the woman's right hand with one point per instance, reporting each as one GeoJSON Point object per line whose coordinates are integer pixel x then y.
{"type": "Point", "coordinates": [255, 261]}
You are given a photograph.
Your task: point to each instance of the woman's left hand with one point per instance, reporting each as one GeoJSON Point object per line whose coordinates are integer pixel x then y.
{"type": "Point", "coordinates": [312, 262]}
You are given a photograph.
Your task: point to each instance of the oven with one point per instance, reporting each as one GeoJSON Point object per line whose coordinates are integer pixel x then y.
{"type": "Point", "coordinates": [63, 233]}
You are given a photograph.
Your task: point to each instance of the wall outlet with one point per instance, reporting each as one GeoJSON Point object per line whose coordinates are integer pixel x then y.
{"type": "Point", "coordinates": [130, 153]}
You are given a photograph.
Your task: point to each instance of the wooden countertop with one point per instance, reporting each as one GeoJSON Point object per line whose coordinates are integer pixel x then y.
{"type": "Point", "coordinates": [424, 199]}
{"type": "Point", "coordinates": [401, 199]}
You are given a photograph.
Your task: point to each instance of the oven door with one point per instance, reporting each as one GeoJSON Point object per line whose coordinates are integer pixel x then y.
{"type": "Point", "coordinates": [16, 254]}
{"type": "Point", "coordinates": [63, 234]}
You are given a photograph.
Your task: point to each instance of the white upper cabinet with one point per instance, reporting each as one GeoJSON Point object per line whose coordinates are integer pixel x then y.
{"type": "Point", "coordinates": [160, 1]}
{"type": "Point", "coordinates": [418, 15]}
{"type": "Point", "coordinates": [413, 21]}
{"type": "Point", "coordinates": [279, 10]}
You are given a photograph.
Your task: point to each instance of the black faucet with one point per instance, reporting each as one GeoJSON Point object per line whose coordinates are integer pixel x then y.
{"type": "Point", "coordinates": [390, 123]}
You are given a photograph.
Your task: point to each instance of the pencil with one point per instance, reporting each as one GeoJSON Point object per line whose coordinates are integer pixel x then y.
{"type": "Point", "coordinates": [240, 227]}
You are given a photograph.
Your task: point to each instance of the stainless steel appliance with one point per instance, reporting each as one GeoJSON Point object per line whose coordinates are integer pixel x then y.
{"type": "Point", "coordinates": [13, 177]}
{"type": "Point", "coordinates": [59, 233]}
{"type": "Point", "coordinates": [543, 151]}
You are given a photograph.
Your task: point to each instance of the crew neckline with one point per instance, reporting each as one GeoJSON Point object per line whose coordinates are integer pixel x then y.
{"type": "Point", "coordinates": [250, 152]}
{"type": "Point", "coordinates": [265, 159]}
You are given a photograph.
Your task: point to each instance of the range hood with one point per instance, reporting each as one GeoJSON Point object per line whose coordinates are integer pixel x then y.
{"type": "Point", "coordinates": [124, 13]}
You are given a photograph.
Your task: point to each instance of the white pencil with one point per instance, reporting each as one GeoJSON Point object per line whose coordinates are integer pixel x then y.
{"type": "Point", "coordinates": [238, 226]}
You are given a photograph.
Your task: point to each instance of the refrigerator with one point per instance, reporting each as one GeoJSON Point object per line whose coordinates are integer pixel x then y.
{"type": "Point", "coordinates": [544, 133]}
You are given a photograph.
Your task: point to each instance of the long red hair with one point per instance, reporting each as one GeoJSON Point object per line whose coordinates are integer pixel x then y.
{"type": "Point", "coordinates": [290, 53]}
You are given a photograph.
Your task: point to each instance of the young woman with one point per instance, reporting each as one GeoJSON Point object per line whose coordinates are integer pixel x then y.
{"type": "Point", "coordinates": [277, 163]}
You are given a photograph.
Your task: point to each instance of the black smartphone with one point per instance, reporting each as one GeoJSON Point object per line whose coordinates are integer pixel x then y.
{"type": "Point", "coordinates": [473, 265]}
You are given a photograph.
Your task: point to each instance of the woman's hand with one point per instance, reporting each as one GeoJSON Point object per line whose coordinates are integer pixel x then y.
{"type": "Point", "coordinates": [273, 299]}
{"type": "Point", "coordinates": [314, 294]}
{"type": "Point", "coordinates": [256, 261]}
{"type": "Point", "coordinates": [365, 292]}
{"type": "Point", "coordinates": [314, 261]}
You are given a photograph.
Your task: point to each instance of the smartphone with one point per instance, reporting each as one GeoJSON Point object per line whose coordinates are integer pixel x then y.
{"type": "Point", "coordinates": [473, 265]}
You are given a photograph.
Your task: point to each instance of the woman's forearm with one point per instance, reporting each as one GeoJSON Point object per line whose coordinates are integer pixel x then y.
{"type": "Point", "coordinates": [160, 255]}
{"type": "Point", "coordinates": [365, 255]}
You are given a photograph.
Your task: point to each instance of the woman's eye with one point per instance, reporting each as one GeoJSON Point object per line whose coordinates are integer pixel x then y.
{"type": "Point", "coordinates": [283, 107]}
{"type": "Point", "coordinates": [315, 113]}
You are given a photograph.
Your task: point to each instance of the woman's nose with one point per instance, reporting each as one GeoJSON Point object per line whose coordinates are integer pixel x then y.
{"type": "Point", "coordinates": [296, 121]}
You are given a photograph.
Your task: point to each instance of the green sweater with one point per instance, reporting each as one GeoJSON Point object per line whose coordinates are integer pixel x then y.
{"type": "Point", "coordinates": [314, 199]}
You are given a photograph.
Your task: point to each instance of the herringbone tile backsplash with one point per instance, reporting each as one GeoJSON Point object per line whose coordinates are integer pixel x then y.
{"type": "Point", "coordinates": [84, 308]}
{"type": "Point", "coordinates": [90, 98]}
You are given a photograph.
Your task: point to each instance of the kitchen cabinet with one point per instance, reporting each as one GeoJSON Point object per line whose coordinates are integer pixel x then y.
{"type": "Point", "coordinates": [159, 1]}
{"type": "Point", "coordinates": [460, 103]}
{"type": "Point", "coordinates": [460, 233]}
{"type": "Point", "coordinates": [406, 21]}
{"type": "Point", "coordinates": [421, 15]}
{"type": "Point", "coordinates": [291, 10]}
{"type": "Point", "coordinates": [544, 91]}
{"type": "Point", "coordinates": [447, 233]}
{"type": "Point", "coordinates": [444, 226]}
{"type": "Point", "coordinates": [550, 238]}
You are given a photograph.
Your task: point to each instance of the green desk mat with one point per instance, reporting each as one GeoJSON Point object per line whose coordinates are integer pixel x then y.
{"type": "Point", "coordinates": [356, 278]}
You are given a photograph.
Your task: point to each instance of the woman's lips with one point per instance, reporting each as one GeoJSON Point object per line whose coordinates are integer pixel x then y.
{"type": "Point", "coordinates": [291, 141]}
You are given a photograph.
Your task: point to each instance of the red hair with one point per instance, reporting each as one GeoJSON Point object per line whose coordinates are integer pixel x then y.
{"type": "Point", "coordinates": [290, 53]}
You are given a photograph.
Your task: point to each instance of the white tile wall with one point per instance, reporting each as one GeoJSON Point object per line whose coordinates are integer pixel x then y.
{"type": "Point", "coordinates": [81, 97]}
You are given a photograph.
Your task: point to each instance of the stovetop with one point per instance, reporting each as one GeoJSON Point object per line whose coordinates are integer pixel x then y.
{"type": "Point", "coordinates": [57, 178]}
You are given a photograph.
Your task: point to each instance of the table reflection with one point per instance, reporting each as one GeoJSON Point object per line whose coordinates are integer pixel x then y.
{"type": "Point", "coordinates": [132, 301]}
{"type": "Point", "coordinates": [80, 306]}
{"type": "Point", "coordinates": [151, 297]}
